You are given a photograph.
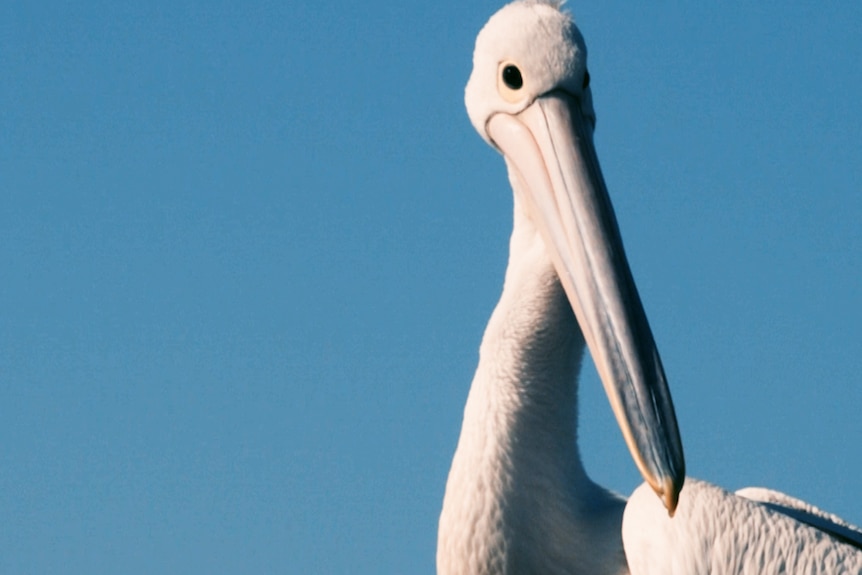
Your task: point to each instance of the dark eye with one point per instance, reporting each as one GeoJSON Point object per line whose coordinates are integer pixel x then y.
{"type": "Point", "coordinates": [586, 80]}
{"type": "Point", "coordinates": [512, 77]}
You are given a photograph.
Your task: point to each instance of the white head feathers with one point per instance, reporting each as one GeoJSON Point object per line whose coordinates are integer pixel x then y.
{"type": "Point", "coordinates": [545, 45]}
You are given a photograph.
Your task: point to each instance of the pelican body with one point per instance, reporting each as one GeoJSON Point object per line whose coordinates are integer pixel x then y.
{"type": "Point", "coordinates": [754, 531]}
{"type": "Point", "coordinates": [518, 499]}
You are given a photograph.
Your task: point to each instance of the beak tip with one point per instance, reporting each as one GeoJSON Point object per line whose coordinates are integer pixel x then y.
{"type": "Point", "coordinates": [669, 494]}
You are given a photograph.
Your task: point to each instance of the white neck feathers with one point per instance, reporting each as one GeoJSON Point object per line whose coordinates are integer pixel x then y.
{"type": "Point", "coordinates": [518, 499]}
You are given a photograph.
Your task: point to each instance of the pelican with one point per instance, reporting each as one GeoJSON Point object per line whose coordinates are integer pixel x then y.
{"type": "Point", "coordinates": [518, 499]}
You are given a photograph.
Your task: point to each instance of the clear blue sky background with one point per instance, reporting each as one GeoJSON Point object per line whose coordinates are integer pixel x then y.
{"type": "Point", "coordinates": [248, 251]}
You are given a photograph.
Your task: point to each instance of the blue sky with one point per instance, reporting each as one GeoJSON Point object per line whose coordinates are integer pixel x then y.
{"type": "Point", "coordinates": [248, 251]}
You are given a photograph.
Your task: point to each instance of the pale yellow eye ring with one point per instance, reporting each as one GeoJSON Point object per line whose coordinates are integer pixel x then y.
{"type": "Point", "coordinates": [510, 82]}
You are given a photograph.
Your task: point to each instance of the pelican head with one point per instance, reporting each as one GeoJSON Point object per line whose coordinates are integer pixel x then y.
{"type": "Point", "coordinates": [529, 97]}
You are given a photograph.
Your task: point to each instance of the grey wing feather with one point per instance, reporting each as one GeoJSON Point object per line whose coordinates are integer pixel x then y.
{"type": "Point", "coordinates": [805, 513]}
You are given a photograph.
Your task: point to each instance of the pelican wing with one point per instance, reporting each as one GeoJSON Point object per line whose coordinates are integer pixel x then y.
{"type": "Point", "coordinates": [805, 513]}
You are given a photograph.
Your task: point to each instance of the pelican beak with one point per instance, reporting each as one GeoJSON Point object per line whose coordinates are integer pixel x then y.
{"type": "Point", "coordinates": [554, 168]}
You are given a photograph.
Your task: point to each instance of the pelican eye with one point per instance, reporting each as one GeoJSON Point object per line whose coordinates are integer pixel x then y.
{"type": "Point", "coordinates": [510, 82]}
{"type": "Point", "coordinates": [512, 77]}
{"type": "Point", "coordinates": [586, 80]}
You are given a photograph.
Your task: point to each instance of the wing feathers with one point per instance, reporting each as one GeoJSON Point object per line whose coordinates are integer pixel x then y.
{"type": "Point", "coordinates": [805, 513]}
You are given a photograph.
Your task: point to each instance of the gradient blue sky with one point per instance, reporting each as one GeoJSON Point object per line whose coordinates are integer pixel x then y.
{"type": "Point", "coordinates": [248, 251]}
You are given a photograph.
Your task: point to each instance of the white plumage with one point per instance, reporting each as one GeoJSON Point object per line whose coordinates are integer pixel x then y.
{"type": "Point", "coordinates": [518, 500]}
{"type": "Point", "coordinates": [755, 531]}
